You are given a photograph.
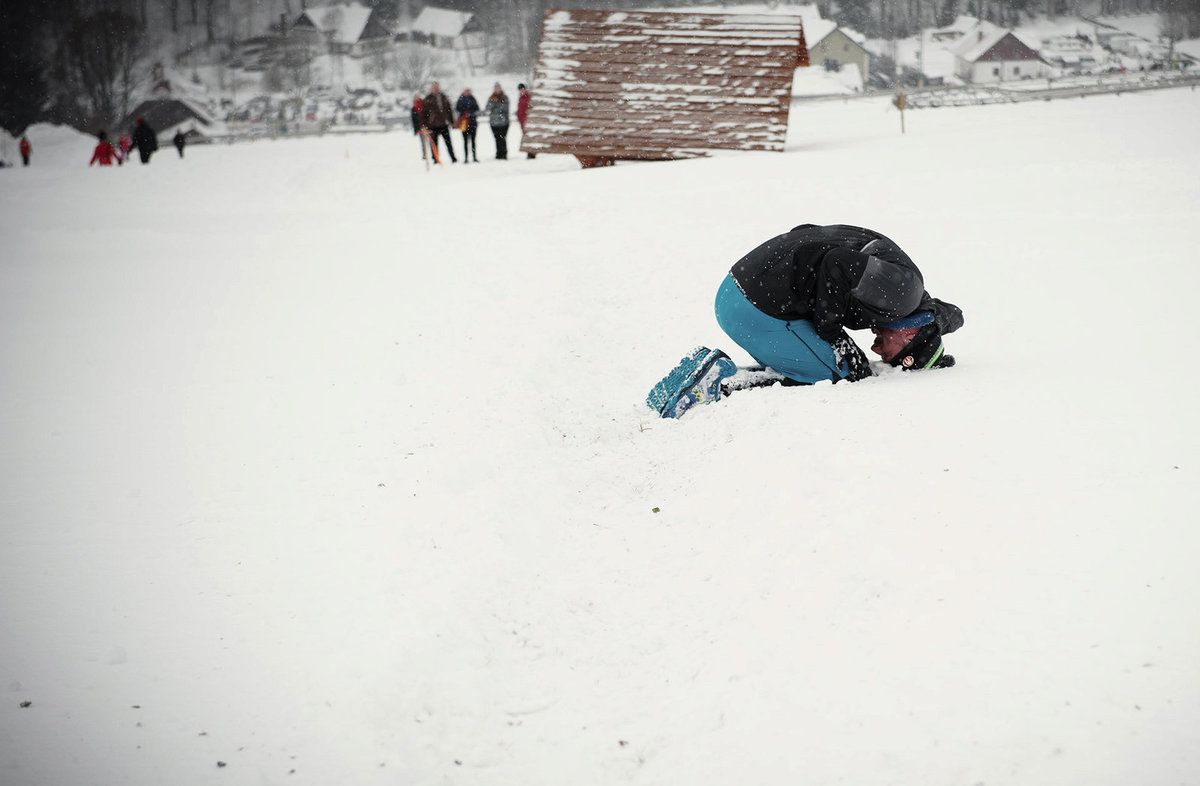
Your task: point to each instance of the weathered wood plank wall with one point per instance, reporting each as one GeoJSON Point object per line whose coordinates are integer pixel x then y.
{"type": "Point", "coordinates": [662, 85]}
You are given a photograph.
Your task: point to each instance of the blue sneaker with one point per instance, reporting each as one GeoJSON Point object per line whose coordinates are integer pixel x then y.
{"type": "Point", "coordinates": [696, 380]}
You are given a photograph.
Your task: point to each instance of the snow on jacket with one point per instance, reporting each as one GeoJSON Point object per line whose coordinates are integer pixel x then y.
{"type": "Point", "coordinates": [523, 108]}
{"type": "Point", "coordinates": [497, 109]}
{"type": "Point", "coordinates": [105, 154]}
{"type": "Point", "coordinates": [144, 138]}
{"type": "Point", "coordinates": [809, 272]}
{"type": "Point", "coordinates": [436, 112]}
{"type": "Point", "coordinates": [467, 105]}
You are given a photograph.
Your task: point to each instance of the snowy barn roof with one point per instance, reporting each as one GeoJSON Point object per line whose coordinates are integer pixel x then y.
{"type": "Point", "coordinates": [816, 27]}
{"type": "Point", "coordinates": [343, 24]}
{"type": "Point", "coordinates": [169, 112]}
{"type": "Point", "coordinates": [441, 22]}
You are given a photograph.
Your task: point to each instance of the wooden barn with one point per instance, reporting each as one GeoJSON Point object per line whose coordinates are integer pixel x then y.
{"type": "Point", "coordinates": [662, 85]}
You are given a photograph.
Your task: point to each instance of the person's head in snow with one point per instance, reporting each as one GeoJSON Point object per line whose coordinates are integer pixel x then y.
{"type": "Point", "coordinates": [435, 88]}
{"type": "Point", "coordinates": [790, 301]}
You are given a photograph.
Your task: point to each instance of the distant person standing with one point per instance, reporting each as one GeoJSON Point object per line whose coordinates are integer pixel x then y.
{"type": "Point", "coordinates": [468, 122]}
{"type": "Point", "coordinates": [523, 110]}
{"type": "Point", "coordinates": [180, 139]}
{"type": "Point", "coordinates": [26, 150]}
{"type": "Point", "coordinates": [124, 144]}
{"type": "Point", "coordinates": [497, 111]}
{"type": "Point", "coordinates": [436, 115]}
{"type": "Point", "coordinates": [144, 139]}
{"type": "Point", "coordinates": [415, 116]}
{"type": "Point", "coordinates": [105, 153]}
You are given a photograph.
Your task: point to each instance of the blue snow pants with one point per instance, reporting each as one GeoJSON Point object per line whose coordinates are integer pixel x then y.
{"type": "Point", "coordinates": [791, 347]}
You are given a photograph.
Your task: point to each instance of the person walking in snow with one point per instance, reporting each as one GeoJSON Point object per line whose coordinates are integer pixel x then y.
{"type": "Point", "coordinates": [468, 122]}
{"type": "Point", "coordinates": [25, 149]}
{"type": "Point", "coordinates": [436, 115]}
{"type": "Point", "coordinates": [523, 110]}
{"type": "Point", "coordinates": [180, 140]}
{"type": "Point", "coordinates": [144, 139]}
{"type": "Point", "coordinates": [497, 112]}
{"type": "Point", "coordinates": [124, 144]}
{"type": "Point", "coordinates": [105, 153]}
{"type": "Point", "coordinates": [789, 302]}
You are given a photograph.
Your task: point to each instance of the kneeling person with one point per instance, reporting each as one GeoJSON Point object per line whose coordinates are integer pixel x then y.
{"type": "Point", "coordinates": [789, 302]}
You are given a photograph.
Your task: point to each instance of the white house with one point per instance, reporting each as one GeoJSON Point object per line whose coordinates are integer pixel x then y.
{"type": "Point", "coordinates": [989, 53]}
{"type": "Point", "coordinates": [832, 46]}
{"type": "Point", "coordinates": [346, 29]}
{"type": "Point", "coordinates": [458, 32]}
{"type": "Point", "coordinates": [1072, 54]}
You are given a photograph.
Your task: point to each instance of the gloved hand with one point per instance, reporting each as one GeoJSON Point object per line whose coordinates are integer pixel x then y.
{"type": "Point", "coordinates": [847, 353]}
{"type": "Point", "coordinates": [926, 350]}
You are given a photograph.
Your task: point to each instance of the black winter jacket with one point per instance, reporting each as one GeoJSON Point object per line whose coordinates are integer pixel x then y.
{"type": "Point", "coordinates": [467, 105]}
{"type": "Point", "coordinates": [144, 138]}
{"type": "Point", "coordinates": [809, 272]}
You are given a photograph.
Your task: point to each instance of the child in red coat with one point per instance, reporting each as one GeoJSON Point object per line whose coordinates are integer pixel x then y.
{"type": "Point", "coordinates": [124, 144]}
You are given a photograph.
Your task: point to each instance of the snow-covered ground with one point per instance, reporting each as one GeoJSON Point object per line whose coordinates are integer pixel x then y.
{"type": "Point", "coordinates": [337, 471]}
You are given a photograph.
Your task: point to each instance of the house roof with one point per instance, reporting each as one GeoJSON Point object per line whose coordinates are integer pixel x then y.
{"type": "Point", "coordinates": [343, 24]}
{"type": "Point", "coordinates": [955, 29]}
{"type": "Point", "coordinates": [987, 41]}
{"type": "Point", "coordinates": [978, 40]}
{"type": "Point", "coordinates": [815, 28]}
{"type": "Point", "coordinates": [1190, 48]}
{"type": "Point", "coordinates": [441, 22]}
{"type": "Point", "coordinates": [163, 113]}
{"type": "Point", "coordinates": [854, 35]}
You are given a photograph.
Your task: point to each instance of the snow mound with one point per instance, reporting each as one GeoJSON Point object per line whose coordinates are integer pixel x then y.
{"type": "Point", "coordinates": [816, 81]}
{"type": "Point", "coordinates": [51, 143]}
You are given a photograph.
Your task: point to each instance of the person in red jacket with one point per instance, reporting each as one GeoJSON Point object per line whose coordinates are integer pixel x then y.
{"type": "Point", "coordinates": [523, 110]}
{"type": "Point", "coordinates": [26, 150]}
{"type": "Point", "coordinates": [415, 116]}
{"type": "Point", "coordinates": [105, 153]}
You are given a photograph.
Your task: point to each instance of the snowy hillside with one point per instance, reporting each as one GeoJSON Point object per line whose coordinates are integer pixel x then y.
{"type": "Point", "coordinates": [316, 467]}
